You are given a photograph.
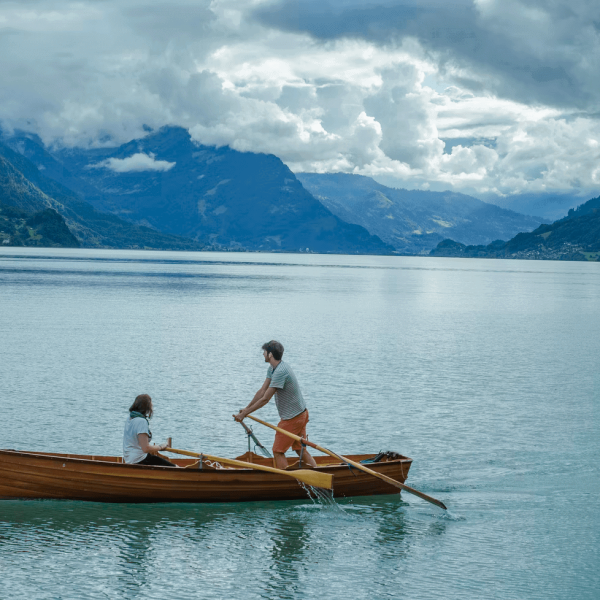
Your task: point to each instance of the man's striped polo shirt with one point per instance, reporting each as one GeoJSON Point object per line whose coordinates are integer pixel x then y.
{"type": "Point", "coordinates": [288, 396]}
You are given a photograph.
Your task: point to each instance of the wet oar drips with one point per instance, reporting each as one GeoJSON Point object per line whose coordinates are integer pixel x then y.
{"type": "Point", "coordinates": [355, 464]}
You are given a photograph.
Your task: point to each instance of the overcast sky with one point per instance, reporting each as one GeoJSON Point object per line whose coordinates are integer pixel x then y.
{"type": "Point", "coordinates": [472, 95]}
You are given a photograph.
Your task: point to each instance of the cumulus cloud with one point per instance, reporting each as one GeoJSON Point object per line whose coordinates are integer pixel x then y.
{"type": "Point", "coordinates": [136, 162]}
{"type": "Point", "coordinates": [481, 96]}
{"type": "Point", "coordinates": [527, 50]}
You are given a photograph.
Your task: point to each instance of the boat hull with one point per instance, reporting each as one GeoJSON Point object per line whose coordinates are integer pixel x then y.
{"type": "Point", "coordinates": [107, 479]}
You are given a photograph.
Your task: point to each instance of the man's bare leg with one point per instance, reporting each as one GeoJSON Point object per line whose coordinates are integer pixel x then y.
{"type": "Point", "coordinates": [280, 460]}
{"type": "Point", "coordinates": [307, 458]}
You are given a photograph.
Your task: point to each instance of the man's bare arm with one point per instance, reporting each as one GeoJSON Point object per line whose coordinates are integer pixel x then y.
{"type": "Point", "coordinates": [259, 394]}
{"type": "Point", "coordinates": [257, 402]}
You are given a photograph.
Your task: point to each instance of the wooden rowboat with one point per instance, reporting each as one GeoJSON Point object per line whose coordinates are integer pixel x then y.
{"type": "Point", "coordinates": [107, 479]}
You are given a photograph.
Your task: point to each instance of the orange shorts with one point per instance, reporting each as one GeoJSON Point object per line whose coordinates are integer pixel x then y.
{"type": "Point", "coordinates": [297, 426]}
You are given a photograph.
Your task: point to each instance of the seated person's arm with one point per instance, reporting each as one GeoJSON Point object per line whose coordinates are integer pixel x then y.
{"type": "Point", "coordinates": [147, 447]}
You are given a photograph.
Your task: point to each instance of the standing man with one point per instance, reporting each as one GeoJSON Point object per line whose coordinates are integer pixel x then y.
{"type": "Point", "coordinates": [281, 383]}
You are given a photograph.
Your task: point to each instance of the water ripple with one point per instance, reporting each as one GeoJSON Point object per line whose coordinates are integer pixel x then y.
{"type": "Point", "coordinates": [484, 372]}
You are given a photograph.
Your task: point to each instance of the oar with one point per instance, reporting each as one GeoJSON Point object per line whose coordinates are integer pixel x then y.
{"type": "Point", "coordinates": [312, 478]}
{"type": "Point", "coordinates": [250, 433]}
{"type": "Point", "coordinates": [389, 480]}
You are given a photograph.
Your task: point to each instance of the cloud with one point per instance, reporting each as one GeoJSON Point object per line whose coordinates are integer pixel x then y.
{"type": "Point", "coordinates": [526, 50]}
{"type": "Point", "coordinates": [480, 96]}
{"type": "Point", "coordinates": [134, 163]}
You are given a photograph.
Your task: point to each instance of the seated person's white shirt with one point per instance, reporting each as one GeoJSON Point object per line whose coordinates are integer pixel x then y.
{"type": "Point", "coordinates": [132, 452]}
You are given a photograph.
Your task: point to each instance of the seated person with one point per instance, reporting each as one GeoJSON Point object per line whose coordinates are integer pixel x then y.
{"type": "Point", "coordinates": [137, 448]}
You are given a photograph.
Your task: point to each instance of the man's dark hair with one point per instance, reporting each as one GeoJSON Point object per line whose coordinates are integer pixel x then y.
{"type": "Point", "coordinates": [275, 348]}
{"type": "Point", "coordinates": [142, 404]}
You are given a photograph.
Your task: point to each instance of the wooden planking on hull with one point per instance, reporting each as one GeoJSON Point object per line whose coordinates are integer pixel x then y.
{"type": "Point", "coordinates": [201, 489]}
{"type": "Point", "coordinates": [31, 475]}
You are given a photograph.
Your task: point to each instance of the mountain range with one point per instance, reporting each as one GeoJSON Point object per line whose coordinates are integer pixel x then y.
{"type": "Point", "coordinates": [548, 206]}
{"type": "Point", "coordinates": [217, 197]}
{"type": "Point", "coordinates": [44, 228]}
{"type": "Point", "coordinates": [574, 237]}
{"type": "Point", "coordinates": [166, 191]}
{"type": "Point", "coordinates": [414, 221]}
{"type": "Point", "coordinates": [24, 187]}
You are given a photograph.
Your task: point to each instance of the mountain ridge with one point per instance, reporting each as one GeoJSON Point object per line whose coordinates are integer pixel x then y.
{"type": "Point", "coordinates": [413, 221]}
{"type": "Point", "coordinates": [217, 196]}
{"type": "Point", "coordinates": [22, 186]}
{"type": "Point", "coordinates": [574, 237]}
{"type": "Point", "coordinates": [548, 206]}
{"type": "Point", "coordinates": [43, 228]}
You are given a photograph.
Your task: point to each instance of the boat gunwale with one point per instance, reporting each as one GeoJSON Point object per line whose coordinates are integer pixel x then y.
{"type": "Point", "coordinates": [163, 469]}
{"type": "Point", "coordinates": [41, 476]}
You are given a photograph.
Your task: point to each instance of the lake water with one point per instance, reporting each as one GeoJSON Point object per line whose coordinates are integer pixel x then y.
{"type": "Point", "coordinates": [485, 372]}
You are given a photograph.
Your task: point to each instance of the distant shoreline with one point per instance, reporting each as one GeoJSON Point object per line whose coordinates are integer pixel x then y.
{"type": "Point", "coordinates": [32, 250]}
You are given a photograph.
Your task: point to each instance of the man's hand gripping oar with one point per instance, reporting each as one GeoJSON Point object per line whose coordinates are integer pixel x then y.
{"type": "Point", "coordinates": [356, 465]}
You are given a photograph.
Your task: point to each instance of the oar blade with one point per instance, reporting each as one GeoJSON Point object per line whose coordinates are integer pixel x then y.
{"type": "Point", "coordinates": [425, 497]}
{"type": "Point", "coordinates": [313, 478]}
{"type": "Point", "coordinates": [358, 466]}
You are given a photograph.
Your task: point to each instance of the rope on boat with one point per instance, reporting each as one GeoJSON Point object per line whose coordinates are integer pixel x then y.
{"type": "Point", "coordinates": [210, 463]}
{"type": "Point", "coordinates": [215, 465]}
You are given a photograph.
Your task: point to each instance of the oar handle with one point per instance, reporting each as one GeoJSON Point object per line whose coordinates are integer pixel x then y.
{"type": "Point", "coordinates": [169, 444]}
{"type": "Point", "coordinates": [348, 461]}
